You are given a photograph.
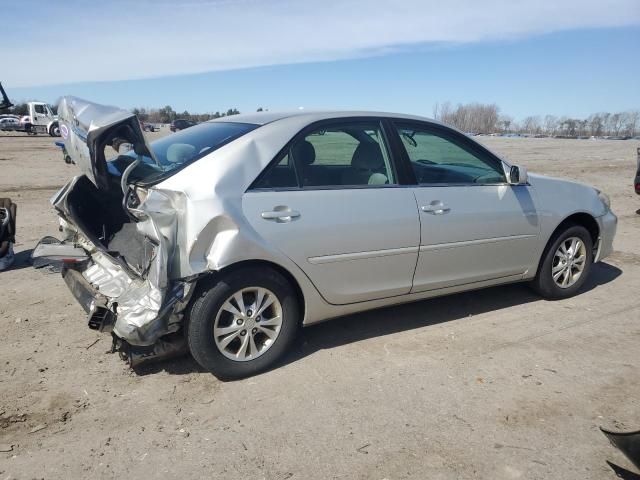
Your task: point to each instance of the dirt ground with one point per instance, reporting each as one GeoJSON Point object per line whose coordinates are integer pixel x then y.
{"type": "Point", "coordinates": [494, 384]}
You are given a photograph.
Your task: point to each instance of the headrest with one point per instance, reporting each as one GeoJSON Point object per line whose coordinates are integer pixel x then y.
{"type": "Point", "coordinates": [180, 152]}
{"type": "Point", "coordinates": [367, 156]}
{"type": "Point", "coordinates": [304, 153]}
{"type": "Point", "coordinates": [378, 179]}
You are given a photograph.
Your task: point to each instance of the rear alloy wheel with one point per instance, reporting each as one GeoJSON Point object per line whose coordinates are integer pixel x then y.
{"type": "Point", "coordinates": [566, 264]}
{"type": "Point", "coordinates": [248, 324]}
{"type": "Point", "coordinates": [242, 323]}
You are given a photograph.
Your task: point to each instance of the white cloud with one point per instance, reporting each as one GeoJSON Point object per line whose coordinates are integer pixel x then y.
{"type": "Point", "coordinates": [119, 40]}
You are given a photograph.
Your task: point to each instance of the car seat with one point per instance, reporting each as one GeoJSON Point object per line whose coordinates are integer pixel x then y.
{"type": "Point", "coordinates": [367, 165]}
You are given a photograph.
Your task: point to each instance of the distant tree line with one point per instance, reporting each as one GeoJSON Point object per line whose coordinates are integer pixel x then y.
{"type": "Point", "coordinates": [481, 118]}
{"type": "Point", "coordinates": [154, 115]}
{"type": "Point", "coordinates": [470, 118]}
{"type": "Point", "coordinates": [167, 114]}
{"type": "Point", "coordinates": [621, 124]}
{"type": "Point", "coordinates": [473, 117]}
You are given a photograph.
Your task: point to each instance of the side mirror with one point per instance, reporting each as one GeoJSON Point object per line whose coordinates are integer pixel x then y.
{"type": "Point", "coordinates": [518, 175]}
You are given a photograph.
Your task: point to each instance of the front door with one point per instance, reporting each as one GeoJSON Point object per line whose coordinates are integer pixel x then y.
{"type": "Point", "coordinates": [332, 204]}
{"type": "Point", "coordinates": [474, 225]}
{"type": "Point", "coordinates": [39, 114]}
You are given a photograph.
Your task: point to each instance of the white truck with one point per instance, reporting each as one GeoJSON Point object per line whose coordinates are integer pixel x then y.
{"type": "Point", "coordinates": [40, 119]}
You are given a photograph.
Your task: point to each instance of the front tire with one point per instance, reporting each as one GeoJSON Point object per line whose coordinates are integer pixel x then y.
{"type": "Point", "coordinates": [565, 264]}
{"type": "Point", "coordinates": [242, 323]}
{"type": "Point", "coordinates": [54, 130]}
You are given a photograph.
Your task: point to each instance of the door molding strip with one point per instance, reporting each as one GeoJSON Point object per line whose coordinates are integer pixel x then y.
{"type": "Point", "coordinates": [346, 257]}
{"type": "Point", "coordinates": [466, 243]}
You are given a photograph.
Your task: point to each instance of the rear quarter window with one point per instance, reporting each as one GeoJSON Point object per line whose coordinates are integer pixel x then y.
{"type": "Point", "coordinates": [177, 150]}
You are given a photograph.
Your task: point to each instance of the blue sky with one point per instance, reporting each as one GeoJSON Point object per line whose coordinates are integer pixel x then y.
{"type": "Point", "coordinates": [531, 59]}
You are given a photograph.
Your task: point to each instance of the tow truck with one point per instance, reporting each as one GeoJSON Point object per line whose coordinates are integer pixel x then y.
{"type": "Point", "coordinates": [40, 117]}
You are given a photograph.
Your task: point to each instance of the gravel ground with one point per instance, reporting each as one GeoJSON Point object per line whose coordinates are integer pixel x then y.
{"type": "Point", "coordinates": [494, 384]}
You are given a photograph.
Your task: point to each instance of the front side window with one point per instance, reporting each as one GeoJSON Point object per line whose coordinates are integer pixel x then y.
{"type": "Point", "coordinates": [40, 109]}
{"type": "Point", "coordinates": [438, 157]}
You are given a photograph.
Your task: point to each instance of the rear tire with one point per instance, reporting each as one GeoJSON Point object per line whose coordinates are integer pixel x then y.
{"type": "Point", "coordinates": [252, 327]}
{"type": "Point", "coordinates": [561, 275]}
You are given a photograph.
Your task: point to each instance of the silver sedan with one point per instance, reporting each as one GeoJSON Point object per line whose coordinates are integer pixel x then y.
{"type": "Point", "coordinates": [226, 237]}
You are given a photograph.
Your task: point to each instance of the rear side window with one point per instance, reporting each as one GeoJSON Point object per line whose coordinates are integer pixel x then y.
{"type": "Point", "coordinates": [332, 147]}
{"type": "Point", "coordinates": [280, 175]}
{"type": "Point", "coordinates": [340, 155]}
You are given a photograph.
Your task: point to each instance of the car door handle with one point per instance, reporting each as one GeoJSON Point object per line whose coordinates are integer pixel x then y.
{"type": "Point", "coordinates": [280, 214]}
{"type": "Point", "coordinates": [435, 208]}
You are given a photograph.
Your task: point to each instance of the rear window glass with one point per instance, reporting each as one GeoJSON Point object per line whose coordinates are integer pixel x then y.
{"type": "Point", "coordinates": [179, 149]}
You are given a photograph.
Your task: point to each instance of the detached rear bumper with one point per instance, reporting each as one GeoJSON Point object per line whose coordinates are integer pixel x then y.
{"type": "Point", "coordinates": [608, 224]}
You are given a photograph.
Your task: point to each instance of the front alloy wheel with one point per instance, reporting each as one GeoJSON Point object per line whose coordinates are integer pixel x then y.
{"type": "Point", "coordinates": [565, 263]}
{"type": "Point", "coordinates": [569, 262]}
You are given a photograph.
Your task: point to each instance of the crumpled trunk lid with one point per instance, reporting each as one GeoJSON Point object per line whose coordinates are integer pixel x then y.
{"type": "Point", "coordinates": [87, 128]}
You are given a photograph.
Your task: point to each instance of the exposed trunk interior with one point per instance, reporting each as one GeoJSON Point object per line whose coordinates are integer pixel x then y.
{"type": "Point", "coordinates": [100, 216]}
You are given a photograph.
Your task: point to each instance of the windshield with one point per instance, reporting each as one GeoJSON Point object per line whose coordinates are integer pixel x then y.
{"type": "Point", "coordinates": [177, 150]}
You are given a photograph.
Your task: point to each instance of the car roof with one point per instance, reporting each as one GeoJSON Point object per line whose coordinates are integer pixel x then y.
{"type": "Point", "coordinates": [262, 118]}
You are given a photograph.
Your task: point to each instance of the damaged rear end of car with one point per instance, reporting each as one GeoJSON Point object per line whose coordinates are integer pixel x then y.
{"type": "Point", "coordinates": [123, 284]}
{"type": "Point", "coordinates": [120, 229]}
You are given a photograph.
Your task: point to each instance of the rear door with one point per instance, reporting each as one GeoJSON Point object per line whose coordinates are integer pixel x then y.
{"type": "Point", "coordinates": [474, 225]}
{"type": "Point", "coordinates": [331, 201]}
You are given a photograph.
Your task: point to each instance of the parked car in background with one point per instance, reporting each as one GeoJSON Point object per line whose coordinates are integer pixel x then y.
{"type": "Point", "coordinates": [149, 127]}
{"type": "Point", "coordinates": [9, 123]}
{"type": "Point", "coordinates": [227, 237]}
{"type": "Point", "coordinates": [181, 124]}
